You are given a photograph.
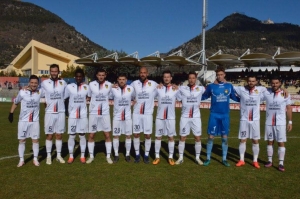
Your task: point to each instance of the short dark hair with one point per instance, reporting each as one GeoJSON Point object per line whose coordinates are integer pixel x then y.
{"type": "Point", "coordinates": [251, 75]}
{"type": "Point", "coordinates": [34, 77]}
{"type": "Point", "coordinates": [122, 75]}
{"type": "Point", "coordinates": [220, 69]}
{"type": "Point", "coordinates": [275, 77]}
{"type": "Point", "coordinates": [54, 66]}
{"type": "Point", "coordinates": [79, 70]}
{"type": "Point", "coordinates": [100, 70]}
{"type": "Point", "coordinates": [192, 73]}
{"type": "Point", "coordinates": [167, 72]}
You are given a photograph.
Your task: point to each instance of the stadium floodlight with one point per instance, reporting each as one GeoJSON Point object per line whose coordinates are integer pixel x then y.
{"type": "Point", "coordinates": [247, 52]}
{"type": "Point", "coordinates": [155, 54]}
{"type": "Point", "coordinates": [277, 52]}
{"type": "Point", "coordinates": [134, 55]}
{"type": "Point", "coordinates": [178, 53]}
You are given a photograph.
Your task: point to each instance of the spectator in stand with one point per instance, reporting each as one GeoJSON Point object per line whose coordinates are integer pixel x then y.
{"type": "Point", "coordinates": [9, 86]}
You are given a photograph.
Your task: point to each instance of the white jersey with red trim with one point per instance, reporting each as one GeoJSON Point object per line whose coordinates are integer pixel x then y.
{"type": "Point", "coordinates": [30, 105]}
{"type": "Point", "coordinates": [77, 101]}
{"type": "Point", "coordinates": [144, 96]}
{"type": "Point", "coordinates": [122, 102]}
{"type": "Point", "coordinates": [276, 107]}
{"type": "Point", "coordinates": [250, 102]}
{"type": "Point", "coordinates": [54, 95]}
{"type": "Point", "coordinates": [191, 99]}
{"type": "Point", "coordinates": [166, 102]}
{"type": "Point", "coordinates": [99, 94]}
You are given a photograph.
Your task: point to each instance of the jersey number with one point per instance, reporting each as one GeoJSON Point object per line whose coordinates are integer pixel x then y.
{"type": "Point", "coordinates": [117, 130]}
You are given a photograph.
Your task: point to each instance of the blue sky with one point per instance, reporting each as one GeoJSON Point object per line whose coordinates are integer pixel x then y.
{"type": "Point", "coordinates": [148, 26]}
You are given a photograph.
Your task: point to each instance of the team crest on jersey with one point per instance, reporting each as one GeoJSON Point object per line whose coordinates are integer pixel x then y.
{"type": "Point", "coordinates": [197, 89]}
{"type": "Point", "coordinates": [173, 89]}
{"type": "Point", "coordinates": [60, 82]}
{"type": "Point", "coordinates": [226, 91]}
{"type": "Point", "coordinates": [84, 87]}
{"type": "Point", "coordinates": [149, 83]}
{"type": "Point", "coordinates": [256, 91]}
{"type": "Point", "coordinates": [38, 92]}
{"type": "Point", "coordinates": [128, 89]}
{"type": "Point", "coordinates": [282, 94]}
{"type": "Point", "coordinates": [106, 86]}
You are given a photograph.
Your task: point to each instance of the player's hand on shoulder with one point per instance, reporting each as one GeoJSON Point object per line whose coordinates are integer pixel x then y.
{"type": "Point", "coordinates": [160, 86]}
{"type": "Point", "coordinates": [285, 93]}
{"type": "Point", "coordinates": [115, 85]}
{"type": "Point", "coordinates": [11, 117]}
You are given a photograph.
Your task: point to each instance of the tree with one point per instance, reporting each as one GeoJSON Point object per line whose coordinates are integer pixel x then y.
{"type": "Point", "coordinates": [69, 72]}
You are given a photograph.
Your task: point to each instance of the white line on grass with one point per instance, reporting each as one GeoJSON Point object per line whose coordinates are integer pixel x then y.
{"type": "Point", "coordinates": [16, 156]}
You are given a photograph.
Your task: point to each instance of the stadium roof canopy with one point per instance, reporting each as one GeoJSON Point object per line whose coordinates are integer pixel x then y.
{"type": "Point", "coordinates": [288, 58]}
{"type": "Point", "coordinates": [224, 59]}
{"type": "Point", "coordinates": [253, 59]}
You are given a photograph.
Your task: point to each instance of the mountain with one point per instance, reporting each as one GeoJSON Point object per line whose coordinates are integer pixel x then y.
{"type": "Point", "coordinates": [238, 32]}
{"type": "Point", "coordinates": [20, 22]}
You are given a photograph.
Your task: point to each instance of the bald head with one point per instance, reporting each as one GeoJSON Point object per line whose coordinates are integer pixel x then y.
{"type": "Point", "coordinates": [143, 73]}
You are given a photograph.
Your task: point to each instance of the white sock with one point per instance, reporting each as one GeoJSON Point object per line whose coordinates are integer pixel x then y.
{"type": "Point", "coordinates": [157, 147]}
{"type": "Point", "coordinates": [242, 149]}
{"type": "Point", "coordinates": [136, 145]}
{"type": "Point", "coordinates": [147, 146]}
{"type": "Point", "coordinates": [181, 146]}
{"type": "Point", "coordinates": [21, 150]}
{"type": "Point", "coordinates": [58, 144]}
{"type": "Point", "coordinates": [116, 146]}
{"type": "Point", "coordinates": [91, 146]}
{"type": "Point", "coordinates": [255, 150]}
{"type": "Point", "coordinates": [281, 153]}
{"type": "Point", "coordinates": [35, 149]}
{"type": "Point", "coordinates": [82, 143]}
{"type": "Point", "coordinates": [71, 144]}
{"type": "Point", "coordinates": [108, 149]}
{"type": "Point", "coordinates": [197, 149]}
{"type": "Point", "coordinates": [171, 146]}
{"type": "Point", "coordinates": [128, 146]}
{"type": "Point", "coordinates": [48, 147]}
{"type": "Point", "coordinates": [270, 152]}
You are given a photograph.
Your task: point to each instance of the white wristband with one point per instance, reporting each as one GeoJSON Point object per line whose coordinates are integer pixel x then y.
{"type": "Point", "coordinates": [290, 122]}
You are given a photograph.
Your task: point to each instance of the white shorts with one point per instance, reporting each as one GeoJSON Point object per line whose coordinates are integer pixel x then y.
{"type": "Point", "coordinates": [99, 123]}
{"type": "Point", "coordinates": [187, 124]}
{"type": "Point", "coordinates": [249, 130]}
{"type": "Point", "coordinates": [165, 128]}
{"type": "Point", "coordinates": [79, 125]}
{"type": "Point", "coordinates": [28, 130]}
{"type": "Point", "coordinates": [142, 123]}
{"type": "Point", "coordinates": [277, 133]}
{"type": "Point", "coordinates": [122, 127]}
{"type": "Point", "coordinates": [54, 123]}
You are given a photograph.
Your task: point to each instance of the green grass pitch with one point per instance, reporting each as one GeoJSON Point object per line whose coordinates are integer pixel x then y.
{"type": "Point", "coordinates": [129, 180]}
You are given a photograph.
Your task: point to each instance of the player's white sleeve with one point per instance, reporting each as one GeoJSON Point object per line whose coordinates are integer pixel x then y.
{"type": "Point", "coordinates": [237, 90]}
{"type": "Point", "coordinates": [67, 93]}
{"type": "Point", "coordinates": [133, 95]}
{"type": "Point", "coordinates": [19, 98]}
{"type": "Point", "coordinates": [262, 96]}
{"type": "Point", "coordinates": [179, 96]}
{"type": "Point", "coordinates": [288, 100]}
{"type": "Point", "coordinates": [42, 92]}
{"type": "Point", "coordinates": [110, 95]}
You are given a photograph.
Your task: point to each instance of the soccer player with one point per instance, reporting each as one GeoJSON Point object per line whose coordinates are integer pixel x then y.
{"type": "Point", "coordinates": [54, 89]}
{"type": "Point", "coordinates": [277, 108]}
{"type": "Point", "coordinates": [250, 99]}
{"type": "Point", "coordinates": [28, 125]}
{"type": "Point", "coordinates": [142, 119]}
{"type": "Point", "coordinates": [122, 122]}
{"type": "Point", "coordinates": [219, 119]}
{"type": "Point", "coordinates": [99, 118]}
{"type": "Point", "coordinates": [77, 121]}
{"type": "Point", "coordinates": [165, 118]}
{"type": "Point", "coordinates": [190, 96]}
